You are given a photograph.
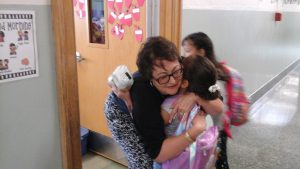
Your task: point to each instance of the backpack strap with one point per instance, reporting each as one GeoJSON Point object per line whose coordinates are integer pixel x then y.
{"type": "Point", "coordinates": [228, 87]}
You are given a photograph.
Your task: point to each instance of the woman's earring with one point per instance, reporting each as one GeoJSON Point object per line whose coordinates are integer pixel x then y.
{"type": "Point", "coordinates": [151, 84]}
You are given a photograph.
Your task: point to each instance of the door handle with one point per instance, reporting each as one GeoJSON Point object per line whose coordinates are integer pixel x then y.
{"type": "Point", "coordinates": [78, 57]}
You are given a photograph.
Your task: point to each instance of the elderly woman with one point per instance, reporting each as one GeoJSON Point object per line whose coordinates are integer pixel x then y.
{"type": "Point", "coordinates": [142, 136]}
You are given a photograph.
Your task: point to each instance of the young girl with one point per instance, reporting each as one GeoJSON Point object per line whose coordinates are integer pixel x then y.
{"type": "Point", "coordinates": [199, 77]}
{"type": "Point", "coordinates": [199, 43]}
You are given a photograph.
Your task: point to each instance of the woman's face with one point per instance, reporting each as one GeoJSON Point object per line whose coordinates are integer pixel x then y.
{"type": "Point", "coordinates": [171, 70]}
{"type": "Point", "coordinates": [189, 49]}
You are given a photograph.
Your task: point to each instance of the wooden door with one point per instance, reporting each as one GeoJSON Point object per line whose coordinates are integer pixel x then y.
{"type": "Point", "coordinates": [100, 57]}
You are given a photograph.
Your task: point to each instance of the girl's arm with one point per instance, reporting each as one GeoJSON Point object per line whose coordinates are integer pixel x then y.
{"type": "Point", "coordinates": [186, 102]}
{"type": "Point", "coordinates": [212, 107]}
{"type": "Point", "coordinates": [173, 146]}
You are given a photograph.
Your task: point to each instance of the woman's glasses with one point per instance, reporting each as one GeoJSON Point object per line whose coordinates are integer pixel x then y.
{"type": "Point", "coordinates": [165, 79]}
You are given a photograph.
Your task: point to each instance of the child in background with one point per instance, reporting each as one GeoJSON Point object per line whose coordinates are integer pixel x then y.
{"type": "Point", "coordinates": [199, 43]}
{"type": "Point", "coordinates": [199, 76]}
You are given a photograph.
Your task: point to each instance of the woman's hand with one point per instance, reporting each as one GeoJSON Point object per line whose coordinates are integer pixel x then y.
{"type": "Point", "coordinates": [124, 95]}
{"type": "Point", "coordinates": [183, 106]}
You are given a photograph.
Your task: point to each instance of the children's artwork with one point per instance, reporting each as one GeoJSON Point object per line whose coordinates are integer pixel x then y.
{"type": "Point", "coordinates": [79, 8]}
{"type": "Point", "coordinates": [81, 4]}
{"type": "Point", "coordinates": [18, 48]}
{"type": "Point", "coordinates": [138, 34]}
{"type": "Point", "coordinates": [136, 14]}
{"type": "Point", "coordinates": [81, 13]}
{"type": "Point", "coordinates": [119, 5]}
{"type": "Point", "coordinates": [128, 19]}
{"type": "Point", "coordinates": [140, 2]}
{"type": "Point", "coordinates": [122, 19]}
{"type": "Point", "coordinates": [112, 17]}
{"type": "Point", "coordinates": [74, 3]}
{"type": "Point", "coordinates": [128, 3]}
{"type": "Point", "coordinates": [110, 4]}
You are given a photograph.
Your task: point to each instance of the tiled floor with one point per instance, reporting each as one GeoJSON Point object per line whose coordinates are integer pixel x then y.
{"type": "Point", "coordinates": [94, 161]}
{"type": "Point", "coordinates": [271, 140]}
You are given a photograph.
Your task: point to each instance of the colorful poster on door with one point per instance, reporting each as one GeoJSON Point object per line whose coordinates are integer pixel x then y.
{"type": "Point", "coordinates": [18, 46]}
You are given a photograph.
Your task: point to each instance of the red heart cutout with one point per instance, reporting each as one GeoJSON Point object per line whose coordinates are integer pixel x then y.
{"type": "Point", "coordinates": [110, 4]}
{"type": "Point", "coordinates": [128, 19]}
{"type": "Point", "coordinates": [138, 35]}
{"type": "Point", "coordinates": [140, 2]}
{"type": "Point", "coordinates": [128, 3]}
{"type": "Point", "coordinates": [136, 14]}
{"type": "Point", "coordinates": [112, 17]}
{"type": "Point", "coordinates": [119, 4]}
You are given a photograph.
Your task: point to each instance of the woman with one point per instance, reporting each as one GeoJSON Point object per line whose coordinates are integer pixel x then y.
{"type": "Point", "coordinates": [159, 75]}
{"type": "Point", "coordinates": [200, 44]}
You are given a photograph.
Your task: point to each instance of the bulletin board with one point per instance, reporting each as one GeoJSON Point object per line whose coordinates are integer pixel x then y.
{"type": "Point", "coordinates": [18, 46]}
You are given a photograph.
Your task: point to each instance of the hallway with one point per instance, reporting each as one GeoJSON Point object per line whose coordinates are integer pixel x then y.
{"type": "Point", "coordinates": [271, 140]}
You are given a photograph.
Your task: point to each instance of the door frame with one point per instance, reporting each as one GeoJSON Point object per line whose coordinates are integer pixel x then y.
{"type": "Point", "coordinates": [66, 70]}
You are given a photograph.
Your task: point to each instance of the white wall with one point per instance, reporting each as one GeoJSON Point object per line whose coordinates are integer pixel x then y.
{"type": "Point", "coordinates": [29, 118]}
{"type": "Point", "coordinates": [25, 2]}
{"type": "Point", "coordinates": [250, 41]}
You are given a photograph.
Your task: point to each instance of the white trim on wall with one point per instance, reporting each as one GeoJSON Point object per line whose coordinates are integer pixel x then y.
{"type": "Point", "coordinates": [241, 5]}
{"type": "Point", "coordinates": [25, 2]}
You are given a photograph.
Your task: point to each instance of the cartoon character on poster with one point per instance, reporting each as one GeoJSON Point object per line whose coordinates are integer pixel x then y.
{"type": "Point", "coordinates": [25, 61]}
{"type": "Point", "coordinates": [4, 64]}
{"type": "Point", "coordinates": [26, 35]}
{"type": "Point", "coordinates": [13, 49]}
{"type": "Point", "coordinates": [2, 35]}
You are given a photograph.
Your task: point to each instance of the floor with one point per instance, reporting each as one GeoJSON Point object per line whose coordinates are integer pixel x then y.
{"type": "Point", "coordinates": [270, 140]}
{"type": "Point", "coordinates": [94, 161]}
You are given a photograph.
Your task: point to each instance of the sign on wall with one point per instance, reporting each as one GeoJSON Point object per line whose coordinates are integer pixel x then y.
{"type": "Point", "coordinates": [18, 48]}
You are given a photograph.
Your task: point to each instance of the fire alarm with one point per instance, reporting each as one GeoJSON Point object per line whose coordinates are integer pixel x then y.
{"type": "Point", "coordinates": [278, 16]}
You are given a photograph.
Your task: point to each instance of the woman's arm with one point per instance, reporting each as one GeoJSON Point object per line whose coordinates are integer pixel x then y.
{"type": "Point", "coordinates": [124, 95]}
{"type": "Point", "coordinates": [173, 146]}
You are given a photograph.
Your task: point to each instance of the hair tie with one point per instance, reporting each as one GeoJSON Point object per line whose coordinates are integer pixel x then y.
{"type": "Point", "coordinates": [213, 88]}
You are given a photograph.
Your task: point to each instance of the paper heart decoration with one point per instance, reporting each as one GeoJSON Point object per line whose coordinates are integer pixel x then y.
{"type": "Point", "coordinates": [81, 4]}
{"type": "Point", "coordinates": [74, 3]}
{"type": "Point", "coordinates": [112, 17]}
{"type": "Point", "coordinates": [138, 35]}
{"type": "Point", "coordinates": [128, 19]}
{"type": "Point", "coordinates": [136, 14]}
{"type": "Point", "coordinates": [81, 13]}
{"type": "Point", "coordinates": [140, 2]}
{"type": "Point", "coordinates": [122, 19]}
{"type": "Point", "coordinates": [110, 4]}
{"type": "Point", "coordinates": [128, 3]}
{"type": "Point", "coordinates": [115, 30]}
{"type": "Point", "coordinates": [121, 32]}
{"type": "Point", "coordinates": [119, 4]}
